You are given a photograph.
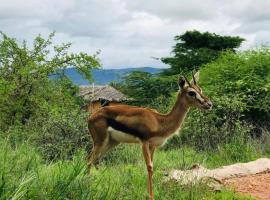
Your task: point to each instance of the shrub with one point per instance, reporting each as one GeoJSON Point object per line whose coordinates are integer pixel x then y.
{"type": "Point", "coordinates": [60, 134]}
{"type": "Point", "coordinates": [38, 101]}
{"type": "Point", "coordinates": [246, 77]}
{"type": "Point", "coordinates": [237, 84]}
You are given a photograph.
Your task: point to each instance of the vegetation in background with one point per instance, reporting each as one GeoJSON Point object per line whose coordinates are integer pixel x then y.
{"type": "Point", "coordinates": [25, 87]}
{"type": "Point", "coordinates": [193, 49]}
{"type": "Point", "coordinates": [244, 76]}
{"type": "Point", "coordinates": [238, 84]}
{"type": "Point", "coordinates": [42, 108]}
{"type": "Point", "coordinates": [150, 90]}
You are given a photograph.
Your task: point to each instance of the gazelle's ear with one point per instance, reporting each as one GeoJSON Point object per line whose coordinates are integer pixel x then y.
{"type": "Point", "coordinates": [182, 82]}
{"type": "Point", "coordinates": [195, 77]}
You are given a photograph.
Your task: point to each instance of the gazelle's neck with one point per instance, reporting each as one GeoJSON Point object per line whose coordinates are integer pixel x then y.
{"type": "Point", "coordinates": [176, 116]}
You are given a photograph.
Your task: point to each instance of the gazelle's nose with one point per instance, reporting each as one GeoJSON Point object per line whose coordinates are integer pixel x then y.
{"type": "Point", "coordinates": [209, 104]}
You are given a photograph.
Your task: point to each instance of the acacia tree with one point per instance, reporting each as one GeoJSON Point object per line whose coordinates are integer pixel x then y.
{"type": "Point", "coordinates": [25, 83]}
{"type": "Point", "coordinates": [193, 49]}
{"type": "Point", "coordinates": [150, 90]}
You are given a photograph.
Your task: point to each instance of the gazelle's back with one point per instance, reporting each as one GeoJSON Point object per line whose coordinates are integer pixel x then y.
{"type": "Point", "coordinates": [130, 120]}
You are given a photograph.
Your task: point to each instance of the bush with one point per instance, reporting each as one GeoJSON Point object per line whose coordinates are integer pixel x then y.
{"type": "Point", "coordinates": [246, 77]}
{"type": "Point", "coordinates": [60, 134]}
{"type": "Point", "coordinates": [237, 84]}
{"type": "Point", "coordinates": [39, 103]}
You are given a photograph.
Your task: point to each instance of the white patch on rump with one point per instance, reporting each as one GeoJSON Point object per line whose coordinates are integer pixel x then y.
{"type": "Point", "coordinates": [120, 136]}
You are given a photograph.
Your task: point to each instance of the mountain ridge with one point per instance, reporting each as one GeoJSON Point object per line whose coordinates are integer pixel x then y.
{"type": "Point", "coordinates": [105, 76]}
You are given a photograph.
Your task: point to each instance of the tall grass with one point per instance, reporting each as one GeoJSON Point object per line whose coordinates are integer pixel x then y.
{"type": "Point", "coordinates": [121, 175]}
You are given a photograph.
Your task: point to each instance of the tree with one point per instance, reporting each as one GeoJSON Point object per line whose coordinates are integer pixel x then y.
{"type": "Point", "coordinates": [25, 86]}
{"type": "Point", "coordinates": [193, 49]}
{"type": "Point", "coordinates": [150, 90]}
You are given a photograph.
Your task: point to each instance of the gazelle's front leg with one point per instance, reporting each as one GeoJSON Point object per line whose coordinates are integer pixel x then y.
{"type": "Point", "coordinates": [149, 165]}
{"type": "Point", "coordinates": [152, 150]}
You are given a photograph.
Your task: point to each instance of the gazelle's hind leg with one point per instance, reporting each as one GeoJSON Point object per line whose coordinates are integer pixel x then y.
{"type": "Point", "coordinates": [99, 151]}
{"type": "Point", "coordinates": [102, 142]}
{"type": "Point", "coordinates": [97, 129]}
{"type": "Point", "coordinates": [107, 146]}
{"type": "Point", "coordinates": [93, 156]}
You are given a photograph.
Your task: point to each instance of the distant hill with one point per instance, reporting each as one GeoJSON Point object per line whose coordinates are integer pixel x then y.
{"type": "Point", "coordinates": [105, 76]}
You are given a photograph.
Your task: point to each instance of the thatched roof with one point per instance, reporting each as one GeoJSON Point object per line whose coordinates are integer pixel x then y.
{"type": "Point", "coordinates": [102, 92]}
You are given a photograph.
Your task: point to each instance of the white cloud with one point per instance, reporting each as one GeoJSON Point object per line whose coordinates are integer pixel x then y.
{"type": "Point", "coordinates": [130, 33]}
{"type": "Point", "coordinates": [34, 8]}
{"type": "Point", "coordinates": [175, 9]}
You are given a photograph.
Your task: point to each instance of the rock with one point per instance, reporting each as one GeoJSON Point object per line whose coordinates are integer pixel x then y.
{"type": "Point", "coordinates": [215, 177]}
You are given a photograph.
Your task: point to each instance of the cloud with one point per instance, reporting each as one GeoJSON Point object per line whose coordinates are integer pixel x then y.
{"type": "Point", "coordinates": [249, 11]}
{"type": "Point", "coordinates": [253, 19]}
{"type": "Point", "coordinates": [91, 18]}
{"type": "Point", "coordinates": [175, 9]}
{"type": "Point", "coordinates": [130, 33]}
{"type": "Point", "coordinates": [31, 9]}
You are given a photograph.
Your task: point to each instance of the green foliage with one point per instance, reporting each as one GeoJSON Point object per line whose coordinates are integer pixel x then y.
{"type": "Point", "coordinates": [149, 89]}
{"type": "Point", "coordinates": [61, 134]}
{"type": "Point", "coordinates": [193, 49]}
{"type": "Point", "coordinates": [38, 102]}
{"type": "Point", "coordinates": [245, 75]}
{"type": "Point", "coordinates": [237, 84]}
{"type": "Point", "coordinates": [25, 87]}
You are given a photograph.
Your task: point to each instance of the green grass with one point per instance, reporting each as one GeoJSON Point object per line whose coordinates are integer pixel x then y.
{"type": "Point", "coordinates": [121, 175]}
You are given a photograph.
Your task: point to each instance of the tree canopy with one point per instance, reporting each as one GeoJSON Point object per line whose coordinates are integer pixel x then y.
{"type": "Point", "coordinates": [25, 85]}
{"type": "Point", "coordinates": [193, 49]}
{"type": "Point", "coordinates": [148, 89]}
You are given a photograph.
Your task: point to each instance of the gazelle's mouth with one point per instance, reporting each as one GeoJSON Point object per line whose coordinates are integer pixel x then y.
{"type": "Point", "coordinates": [207, 105]}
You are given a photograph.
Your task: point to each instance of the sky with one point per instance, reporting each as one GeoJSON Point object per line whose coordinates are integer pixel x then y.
{"type": "Point", "coordinates": [131, 33]}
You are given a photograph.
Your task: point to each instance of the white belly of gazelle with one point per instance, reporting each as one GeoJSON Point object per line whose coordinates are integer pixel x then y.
{"type": "Point", "coordinates": [124, 137]}
{"type": "Point", "coordinates": [158, 141]}
{"type": "Point", "coordinates": [120, 136]}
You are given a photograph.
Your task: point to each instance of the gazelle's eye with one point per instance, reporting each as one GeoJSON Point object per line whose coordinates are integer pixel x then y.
{"type": "Point", "coordinates": [191, 93]}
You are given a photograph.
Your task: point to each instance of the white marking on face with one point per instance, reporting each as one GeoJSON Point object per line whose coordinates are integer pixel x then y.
{"type": "Point", "coordinates": [120, 136]}
{"type": "Point", "coordinates": [197, 96]}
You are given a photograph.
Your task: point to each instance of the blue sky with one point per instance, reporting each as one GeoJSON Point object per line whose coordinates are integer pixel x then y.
{"type": "Point", "coordinates": [130, 33]}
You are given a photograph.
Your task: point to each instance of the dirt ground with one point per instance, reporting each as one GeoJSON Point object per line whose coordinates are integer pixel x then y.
{"type": "Point", "coordinates": [251, 178]}
{"type": "Point", "coordinates": [257, 185]}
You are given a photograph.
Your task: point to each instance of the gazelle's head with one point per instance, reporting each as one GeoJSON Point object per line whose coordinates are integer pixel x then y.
{"type": "Point", "coordinates": [192, 93]}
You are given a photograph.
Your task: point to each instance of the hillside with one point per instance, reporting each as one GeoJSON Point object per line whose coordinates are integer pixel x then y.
{"type": "Point", "coordinates": [105, 76]}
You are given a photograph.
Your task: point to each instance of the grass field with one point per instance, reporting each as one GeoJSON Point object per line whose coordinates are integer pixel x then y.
{"type": "Point", "coordinates": [121, 175]}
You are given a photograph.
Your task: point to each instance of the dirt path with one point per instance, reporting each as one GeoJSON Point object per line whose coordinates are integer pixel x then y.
{"type": "Point", "coordinates": [257, 185]}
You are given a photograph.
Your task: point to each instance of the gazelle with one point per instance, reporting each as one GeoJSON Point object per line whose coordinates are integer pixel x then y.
{"type": "Point", "coordinates": [112, 125]}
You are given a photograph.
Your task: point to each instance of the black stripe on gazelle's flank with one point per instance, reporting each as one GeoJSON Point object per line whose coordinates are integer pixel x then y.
{"type": "Point", "coordinates": [124, 128]}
